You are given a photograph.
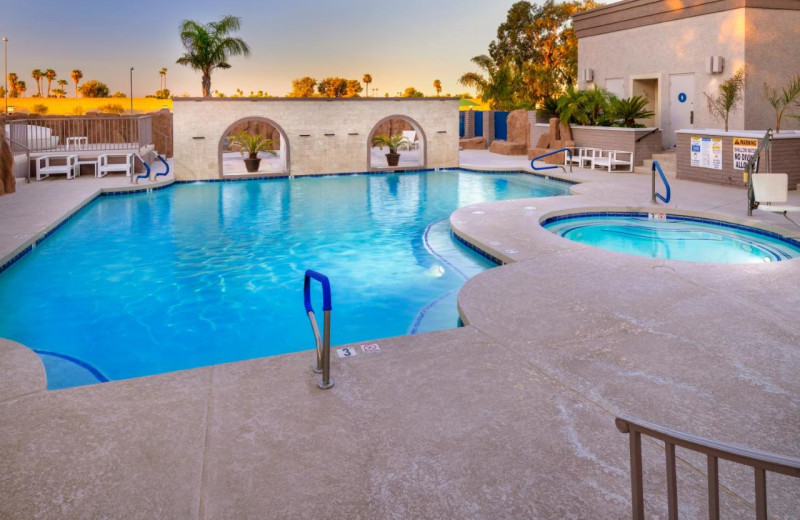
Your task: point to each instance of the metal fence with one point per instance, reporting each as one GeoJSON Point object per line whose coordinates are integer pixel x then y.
{"type": "Point", "coordinates": [81, 133]}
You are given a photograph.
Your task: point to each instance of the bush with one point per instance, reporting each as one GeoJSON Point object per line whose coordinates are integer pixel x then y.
{"type": "Point", "coordinates": [94, 89]}
{"type": "Point", "coordinates": [119, 94]}
{"type": "Point", "coordinates": [40, 109]}
{"type": "Point", "coordinates": [78, 111]}
{"type": "Point", "coordinates": [112, 108]}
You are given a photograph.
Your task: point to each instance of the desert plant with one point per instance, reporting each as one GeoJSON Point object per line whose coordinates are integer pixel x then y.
{"type": "Point", "coordinates": [208, 47]}
{"type": "Point", "coordinates": [39, 108]}
{"type": "Point", "coordinates": [628, 110]}
{"type": "Point", "coordinates": [781, 101]}
{"type": "Point", "coordinates": [727, 99]}
{"type": "Point", "coordinates": [392, 142]}
{"type": "Point", "coordinates": [248, 144]}
{"type": "Point", "coordinates": [111, 108]}
{"type": "Point", "coordinates": [367, 79]}
{"type": "Point", "coordinates": [76, 76]}
{"type": "Point", "coordinates": [94, 89]}
{"type": "Point", "coordinates": [78, 111]}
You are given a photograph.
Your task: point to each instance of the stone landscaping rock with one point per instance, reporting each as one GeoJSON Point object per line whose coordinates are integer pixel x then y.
{"type": "Point", "coordinates": [474, 143]}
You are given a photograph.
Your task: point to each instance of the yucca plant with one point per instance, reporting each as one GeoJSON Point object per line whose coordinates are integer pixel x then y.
{"type": "Point", "coordinates": [251, 144]}
{"type": "Point", "coordinates": [727, 99]}
{"type": "Point", "coordinates": [628, 110]}
{"type": "Point", "coordinates": [781, 101]}
{"type": "Point", "coordinates": [392, 142]}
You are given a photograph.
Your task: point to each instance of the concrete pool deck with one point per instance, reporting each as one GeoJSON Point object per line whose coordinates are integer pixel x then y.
{"type": "Point", "coordinates": [508, 417]}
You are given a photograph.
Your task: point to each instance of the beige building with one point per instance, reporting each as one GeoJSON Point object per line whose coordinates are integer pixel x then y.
{"type": "Point", "coordinates": [674, 51]}
{"type": "Point", "coordinates": [317, 135]}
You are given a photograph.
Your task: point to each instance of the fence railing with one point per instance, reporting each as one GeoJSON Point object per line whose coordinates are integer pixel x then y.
{"type": "Point", "coordinates": [760, 461]}
{"type": "Point", "coordinates": [82, 133]}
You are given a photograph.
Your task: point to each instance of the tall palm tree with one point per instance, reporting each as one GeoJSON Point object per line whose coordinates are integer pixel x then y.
{"type": "Point", "coordinates": [21, 88]}
{"type": "Point", "coordinates": [367, 79]}
{"type": "Point", "coordinates": [37, 76]}
{"type": "Point", "coordinates": [12, 84]}
{"type": "Point", "coordinates": [209, 46]}
{"type": "Point", "coordinates": [437, 85]}
{"type": "Point", "coordinates": [62, 86]}
{"type": "Point", "coordinates": [76, 77]}
{"type": "Point", "coordinates": [163, 74]}
{"type": "Point", "coordinates": [50, 75]}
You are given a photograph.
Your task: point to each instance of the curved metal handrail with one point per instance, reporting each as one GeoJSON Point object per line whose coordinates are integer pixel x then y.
{"type": "Point", "coordinates": [323, 343]}
{"type": "Point", "coordinates": [567, 150]}
{"type": "Point", "coordinates": [165, 172]}
{"type": "Point", "coordinates": [655, 195]}
{"type": "Point", "coordinates": [760, 461]}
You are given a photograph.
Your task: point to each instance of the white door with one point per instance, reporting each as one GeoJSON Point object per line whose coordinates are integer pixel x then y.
{"type": "Point", "coordinates": [681, 106]}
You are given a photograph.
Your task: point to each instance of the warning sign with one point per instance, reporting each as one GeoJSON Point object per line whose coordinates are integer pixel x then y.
{"type": "Point", "coordinates": [743, 150]}
{"type": "Point", "coordinates": [706, 152]}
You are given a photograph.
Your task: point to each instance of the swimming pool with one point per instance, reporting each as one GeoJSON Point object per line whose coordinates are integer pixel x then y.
{"type": "Point", "coordinates": [674, 237]}
{"type": "Point", "coordinates": [205, 273]}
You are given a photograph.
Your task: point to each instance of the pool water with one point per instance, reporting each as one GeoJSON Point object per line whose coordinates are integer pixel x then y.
{"type": "Point", "coordinates": [674, 237]}
{"type": "Point", "coordinates": [205, 273]}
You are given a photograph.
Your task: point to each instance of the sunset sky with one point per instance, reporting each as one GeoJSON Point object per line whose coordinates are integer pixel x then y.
{"type": "Point", "coordinates": [402, 44]}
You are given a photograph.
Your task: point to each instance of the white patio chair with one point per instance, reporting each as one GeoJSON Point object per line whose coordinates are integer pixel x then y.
{"type": "Point", "coordinates": [411, 142]}
{"type": "Point", "coordinates": [773, 187]}
{"type": "Point", "coordinates": [610, 159]}
{"type": "Point", "coordinates": [104, 166]}
{"type": "Point", "coordinates": [581, 156]}
{"type": "Point", "coordinates": [45, 168]}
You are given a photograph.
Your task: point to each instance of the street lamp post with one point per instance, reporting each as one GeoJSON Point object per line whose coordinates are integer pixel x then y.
{"type": "Point", "coordinates": [131, 90]}
{"type": "Point", "coordinates": [5, 77]}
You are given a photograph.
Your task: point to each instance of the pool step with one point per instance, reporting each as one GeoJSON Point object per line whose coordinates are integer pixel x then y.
{"type": "Point", "coordinates": [667, 160]}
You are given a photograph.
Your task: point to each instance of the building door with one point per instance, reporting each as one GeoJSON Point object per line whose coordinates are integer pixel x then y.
{"type": "Point", "coordinates": [681, 106]}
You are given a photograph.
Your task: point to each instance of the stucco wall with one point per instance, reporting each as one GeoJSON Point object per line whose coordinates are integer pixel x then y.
{"type": "Point", "coordinates": [772, 51]}
{"type": "Point", "coordinates": [677, 47]}
{"type": "Point", "coordinates": [199, 125]}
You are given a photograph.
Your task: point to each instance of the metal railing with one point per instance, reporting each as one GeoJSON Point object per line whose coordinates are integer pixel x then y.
{"type": "Point", "coordinates": [560, 150]}
{"type": "Point", "coordinates": [651, 132]}
{"type": "Point", "coordinates": [752, 167]}
{"type": "Point", "coordinates": [68, 134]}
{"type": "Point", "coordinates": [760, 461]}
{"type": "Point", "coordinates": [21, 149]}
{"type": "Point", "coordinates": [323, 365]}
{"type": "Point", "coordinates": [653, 194]}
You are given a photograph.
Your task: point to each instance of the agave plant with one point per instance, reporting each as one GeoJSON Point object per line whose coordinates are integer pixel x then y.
{"type": "Point", "coordinates": [628, 110]}
{"type": "Point", "coordinates": [251, 144]}
{"type": "Point", "coordinates": [392, 142]}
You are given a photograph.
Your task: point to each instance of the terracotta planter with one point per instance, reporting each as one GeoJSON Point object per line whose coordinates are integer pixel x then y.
{"type": "Point", "coordinates": [252, 163]}
{"type": "Point", "coordinates": [392, 159]}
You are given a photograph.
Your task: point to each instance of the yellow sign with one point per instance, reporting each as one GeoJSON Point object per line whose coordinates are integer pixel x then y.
{"type": "Point", "coordinates": [741, 141]}
{"type": "Point", "coordinates": [743, 149]}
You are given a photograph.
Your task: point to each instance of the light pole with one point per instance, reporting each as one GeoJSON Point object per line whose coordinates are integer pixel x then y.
{"type": "Point", "coordinates": [131, 90]}
{"type": "Point", "coordinates": [5, 77]}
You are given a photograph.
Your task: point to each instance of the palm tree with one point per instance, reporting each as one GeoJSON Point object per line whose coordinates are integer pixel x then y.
{"type": "Point", "coordinates": [163, 74]}
{"type": "Point", "coordinates": [50, 75]}
{"type": "Point", "coordinates": [437, 85]}
{"type": "Point", "coordinates": [209, 46]}
{"type": "Point", "coordinates": [13, 91]}
{"type": "Point", "coordinates": [497, 87]}
{"type": "Point", "coordinates": [76, 77]}
{"type": "Point", "coordinates": [37, 76]}
{"type": "Point", "coordinates": [367, 79]}
{"type": "Point", "coordinates": [62, 86]}
{"type": "Point", "coordinates": [21, 88]}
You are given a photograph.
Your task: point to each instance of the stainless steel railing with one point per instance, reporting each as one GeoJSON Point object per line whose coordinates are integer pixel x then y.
{"type": "Point", "coordinates": [323, 365]}
{"type": "Point", "coordinates": [760, 461]}
{"type": "Point", "coordinates": [63, 134]}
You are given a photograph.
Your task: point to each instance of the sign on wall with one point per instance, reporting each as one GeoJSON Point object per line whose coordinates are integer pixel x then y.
{"type": "Point", "coordinates": [743, 150]}
{"type": "Point", "coordinates": [707, 152]}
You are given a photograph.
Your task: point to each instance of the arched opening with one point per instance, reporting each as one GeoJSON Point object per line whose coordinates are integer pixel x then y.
{"type": "Point", "coordinates": [412, 155]}
{"type": "Point", "coordinates": [273, 160]}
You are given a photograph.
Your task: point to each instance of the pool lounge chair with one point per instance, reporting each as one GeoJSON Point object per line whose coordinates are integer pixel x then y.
{"type": "Point", "coordinates": [773, 187]}
{"type": "Point", "coordinates": [411, 137]}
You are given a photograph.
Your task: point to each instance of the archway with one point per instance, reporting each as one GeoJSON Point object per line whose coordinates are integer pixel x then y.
{"type": "Point", "coordinates": [231, 161]}
{"type": "Point", "coordinates": [412, 156]}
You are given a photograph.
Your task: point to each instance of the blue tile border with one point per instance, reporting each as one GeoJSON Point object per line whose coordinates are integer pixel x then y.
{"type": "Point", "coordinates": [477, 249]}
{"type": "Point", "coordinates": [675, 216]}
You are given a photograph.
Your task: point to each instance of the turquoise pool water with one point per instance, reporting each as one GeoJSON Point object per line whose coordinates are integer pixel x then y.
{"type": "Point", "coordinates": [674, 237]}
{"type": "Point", "coordinates": [205, 273]}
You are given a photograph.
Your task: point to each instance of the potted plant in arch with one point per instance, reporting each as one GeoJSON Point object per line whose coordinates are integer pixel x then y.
{"type": "Point", "coordinates": [392, 142]}
{"type": "Point", "coordinates": [251, 145]}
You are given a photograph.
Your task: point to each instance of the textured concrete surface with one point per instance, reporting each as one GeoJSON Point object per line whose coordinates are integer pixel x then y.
{"type": "Point", "coordinates": [509, 417]}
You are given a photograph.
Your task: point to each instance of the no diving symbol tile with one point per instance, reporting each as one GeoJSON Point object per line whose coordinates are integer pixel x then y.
{"type": "Point", "coordinates": [371, 348]}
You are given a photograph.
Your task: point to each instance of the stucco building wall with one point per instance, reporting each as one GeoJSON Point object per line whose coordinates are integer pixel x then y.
{"type": "Point", "coordinates": [323, 135]}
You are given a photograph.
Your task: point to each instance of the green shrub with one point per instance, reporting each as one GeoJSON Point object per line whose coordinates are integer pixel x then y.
{"type": "Point", "coordinates": [112, 108]}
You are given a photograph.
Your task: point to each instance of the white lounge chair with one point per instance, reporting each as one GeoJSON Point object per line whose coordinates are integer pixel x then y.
{"type": "Point", "coordinates": [104, 167]}
{"type": "Point", "coordinates": [411, 142]}
{"type": "Point", "coordinates": [773, 187]}
{"type": "Point", "coordinates": [581, 156]}
{"type": "Point", "coordinates": [45, 168]}
{"type": "Point", "coordinates": [612, 158]}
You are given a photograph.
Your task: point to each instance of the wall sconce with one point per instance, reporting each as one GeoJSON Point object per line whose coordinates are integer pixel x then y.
{"type": "Point", "coordinates": [588, 75]}
{"type": "Point", "coordinates": [715, 64]}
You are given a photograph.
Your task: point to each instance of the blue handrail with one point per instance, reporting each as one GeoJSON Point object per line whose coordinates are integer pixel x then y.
{"type": "Point", "coordinates": [165, 172]}
{"type": "Point", "coordinates": [548, 155]}
{"type": "Point", "coordinates": [658, 196]}
{"type": "Point", "coordinates": [323, 342]}
{"type": "Point", "coordinates": [144, 175]}
{"type": "Point", "coordinates": [326, 290]}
